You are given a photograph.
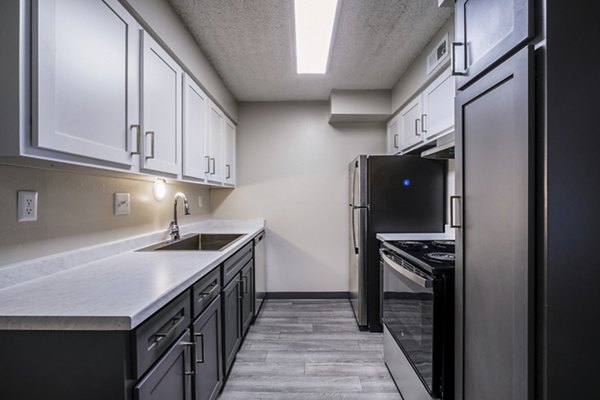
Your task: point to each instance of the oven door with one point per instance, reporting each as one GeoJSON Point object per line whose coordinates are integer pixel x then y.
{"type": "Point", "coordinates": [408, 311]}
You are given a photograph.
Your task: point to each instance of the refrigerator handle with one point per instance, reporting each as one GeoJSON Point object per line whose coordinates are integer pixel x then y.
{"type": "Point", "coordinates": [353, 227]}
{"type": "Point", "coordinates": [455, 214]}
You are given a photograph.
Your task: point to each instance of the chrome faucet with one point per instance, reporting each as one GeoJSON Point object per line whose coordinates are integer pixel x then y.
{"type": "Point", "coordinates": [174, 228]}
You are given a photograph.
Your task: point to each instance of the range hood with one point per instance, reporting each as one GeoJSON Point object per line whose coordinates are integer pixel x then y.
{"type": "Point", "coordinates": [443, 150]}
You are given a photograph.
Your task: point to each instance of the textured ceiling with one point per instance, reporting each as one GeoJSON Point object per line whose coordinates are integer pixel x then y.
{"type": "Point", "coordinates": [251, 44]}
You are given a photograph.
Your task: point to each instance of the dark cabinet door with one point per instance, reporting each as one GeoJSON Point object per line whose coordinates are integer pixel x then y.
{"type": "Point", "coordinates": [208, 357]}
{"type": "Point", "coordinates": [171, 376]}
{"type": "Point", "coordinates": [232, 320]}
{"type": "Point", "coordinates": [494, 265]}
{"type": "Point", "coordinates": [487, 30]}
{"type": "Point", "coordinates": [248, 298]}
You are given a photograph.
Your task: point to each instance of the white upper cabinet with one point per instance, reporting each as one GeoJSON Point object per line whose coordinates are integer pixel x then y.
{"type": "Point", "coordinates": [195, 126]}
{"type": "Point", "coordinates": [216, 143]}
{"type": "Point", "coordinates": [230, 171]}
{"type": "Point", "coordinates": [161, 109]}
{"type": "Point", "coordinates": [393, 127]}
{"type": "Point", "coordinates": [85, 79]}
{"type": "Point", "coordinates": [438, 106]}
{"type": "Point", "coordinates": [410, 131]}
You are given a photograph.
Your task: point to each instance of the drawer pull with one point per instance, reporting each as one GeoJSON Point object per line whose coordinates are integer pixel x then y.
{"type": "Point", "coordinates": [193, 346]}
{"type": "Point", "coordinates": [201, 336]}
{"type": "Point", "coordinates": [214, 286]}
{"type": "Point", "coordinates": [168, 328]}
{"type": "Point", "coordinates": [244, 288]}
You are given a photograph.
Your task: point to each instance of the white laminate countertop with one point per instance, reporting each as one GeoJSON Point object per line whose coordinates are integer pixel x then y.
{"type": "Point", "coordinates": [117, 292]}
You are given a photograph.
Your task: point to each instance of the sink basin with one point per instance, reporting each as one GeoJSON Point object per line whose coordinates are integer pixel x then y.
{"type": "Point", "coordinates": [198, 242]}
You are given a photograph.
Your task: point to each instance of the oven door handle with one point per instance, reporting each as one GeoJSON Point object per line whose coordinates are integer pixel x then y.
{"type": "Point", "coordinates": [419, 280]}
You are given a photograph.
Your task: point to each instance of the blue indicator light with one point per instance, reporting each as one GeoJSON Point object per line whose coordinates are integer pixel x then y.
{"type": "Point", "coordinates": [406, 182]}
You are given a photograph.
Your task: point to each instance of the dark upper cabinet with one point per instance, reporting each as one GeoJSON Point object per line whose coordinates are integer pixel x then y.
{"type": "Point", "coordinates": [494, 252]}
{"type": "Point", "coordinates": [486, 32]}
{"type": "Point", "coordinates": [232, 321]}
{"type": "Point", "coordinates": [208, 357]}
{"type": "Point", "coordinates": [170, 378]}
{"type": "Point", "coordinates": [248, 298]}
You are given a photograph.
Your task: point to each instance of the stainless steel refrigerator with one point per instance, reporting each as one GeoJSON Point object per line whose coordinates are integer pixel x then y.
{"type": "Point", "coordinates": [388, 194]}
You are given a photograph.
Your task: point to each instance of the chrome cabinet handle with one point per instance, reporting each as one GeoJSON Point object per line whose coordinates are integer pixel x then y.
{"type": "Point", "coordinates": [396, 141]}
{"type": "Point", "coordinates": [137, 139]}
{"type": "Point", "coordinates": [213, 166]}
{"type": "Point", "coordinates": [151, 144]}
{"type": "Point", "coordinates": [423, 117]}
{"type": "Point", "coordinates": [228, 171]}
{"type": "Point", "coordinates": [240, 289]}
{"type": "Point", "coordinates": [159, 336]}
{"type": "Point", "coordinates": [203, 295]}
{"type": "Point", "coordinates": [455, 215]}
{"type": "Point", "coordinates": [245, 279]}
{"type": "Point", "coordinates": [454, 72]}
{"type": "Point", "coordinates": [201, 336]}
{"type": "Point", "coordinates": [417, 127]}
{"type": "Point", "coordinates": [207, 171]}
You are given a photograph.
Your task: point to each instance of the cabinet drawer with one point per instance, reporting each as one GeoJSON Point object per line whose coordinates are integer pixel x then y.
{"type": "Point", "coordinates": [155, 335]}
{"type": "Point", "coordinates": [205, 290]}
{"type": "Point", "coordinates": [234, 264]}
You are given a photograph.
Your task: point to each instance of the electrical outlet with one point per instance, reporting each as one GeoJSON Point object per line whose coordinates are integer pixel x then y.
{"type": "Point", "coordinates": [122, 201]}
{"type": "Point", "coordinates": [27, 205]}
{"type": "Point", "coordinates": [200, 202]}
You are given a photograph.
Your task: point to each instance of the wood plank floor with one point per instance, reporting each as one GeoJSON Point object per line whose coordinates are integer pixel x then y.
{"type": "Point", "coordinates": [309, 350]}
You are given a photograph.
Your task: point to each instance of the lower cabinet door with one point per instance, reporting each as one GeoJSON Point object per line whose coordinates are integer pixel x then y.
{"type": "Point", "coordinates": [208, 357]}
{"type": "Point", "coordinates": [247, 295]}
{"type": "Point", "coordinates": [232, 330]}
{"type": "Point", "coordinates": [171, 377]}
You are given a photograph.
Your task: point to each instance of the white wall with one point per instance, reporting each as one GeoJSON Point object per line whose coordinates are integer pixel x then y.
{"type": "Point", "coordinates": [292, 170]}
{"type": "Point", "coordinates": [162, 19]}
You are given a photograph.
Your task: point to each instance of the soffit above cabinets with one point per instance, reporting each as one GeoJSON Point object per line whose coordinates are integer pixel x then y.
{"type": "Point", "coordinates": [251, 44]}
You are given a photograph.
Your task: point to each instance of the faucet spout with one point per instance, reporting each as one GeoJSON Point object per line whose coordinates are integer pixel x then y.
{"type": "Point", "coordinates": [174, 228]}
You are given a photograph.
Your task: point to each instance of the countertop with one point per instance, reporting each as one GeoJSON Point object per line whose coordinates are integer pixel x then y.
{"type": "Point", "coordinates": [117, 292]}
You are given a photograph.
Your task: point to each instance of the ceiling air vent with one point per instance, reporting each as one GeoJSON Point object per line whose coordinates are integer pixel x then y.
{"type": "Point", "coordinates": [438, 55]}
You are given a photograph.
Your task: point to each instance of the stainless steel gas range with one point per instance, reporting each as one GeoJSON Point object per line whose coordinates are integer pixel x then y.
{"type": "Point", "coordinates": [417, 303]}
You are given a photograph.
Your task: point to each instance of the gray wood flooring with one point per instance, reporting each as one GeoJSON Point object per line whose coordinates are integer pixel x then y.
{"type": "Point", "coordinates": [309, 350]}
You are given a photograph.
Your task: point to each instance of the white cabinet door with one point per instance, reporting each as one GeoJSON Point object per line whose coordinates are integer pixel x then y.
{"type": "Point", "coordinates": [393, 130]}
{"type": "Point", "coordinates": [438, 106]}
{"type": "Point", "coordinates": [195, 126]}
{"type": "Point", "coordinates": [161, 109]}
{"type": "Point", "coordinates": [216, 142]}
{"type": "Point", "coordinates": [230, 129]}
{"type": "Point", "coordinates": [85, 79]}
{"type": "Point", "coordinates": [410, 132]}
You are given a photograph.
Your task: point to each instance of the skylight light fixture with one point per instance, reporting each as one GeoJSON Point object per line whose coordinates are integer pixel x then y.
{"type": "Point", "coordinates": [314, 28]}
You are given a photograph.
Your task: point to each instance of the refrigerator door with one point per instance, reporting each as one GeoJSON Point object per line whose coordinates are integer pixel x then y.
{"type": "Point", "coordinates": [358, 293]}
{"type": "Point", "coordinates": [358, 182]}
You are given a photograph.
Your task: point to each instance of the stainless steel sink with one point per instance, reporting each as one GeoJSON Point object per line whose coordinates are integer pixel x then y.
{"type": "Point", "coordinates": [198, 242]}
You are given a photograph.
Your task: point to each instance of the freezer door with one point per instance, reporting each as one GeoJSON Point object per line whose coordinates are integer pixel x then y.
{"type": "Point", "coordinates": [358, 181]}
{"type": "Point", "coordinates": [357, 281]}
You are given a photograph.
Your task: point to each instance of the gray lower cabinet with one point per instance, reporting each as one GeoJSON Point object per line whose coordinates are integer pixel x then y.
{"type": "Point", "coordinates": [248, 298]}
{"type": "Point", "coordinates": [232, 322]}
{"type": "Point", "coordinates": [494, 256]}
{"type": "Point", "coordinates": [208, 356]}
{"type": "Point", "coordinates": [171, 377]}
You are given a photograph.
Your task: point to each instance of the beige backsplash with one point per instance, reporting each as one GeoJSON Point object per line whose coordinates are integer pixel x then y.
{"type": "Point", "coordinates": [76, 210]}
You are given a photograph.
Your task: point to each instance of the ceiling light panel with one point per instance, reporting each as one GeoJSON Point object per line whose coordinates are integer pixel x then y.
{"type": "Point", "coordinates": [314, 21]}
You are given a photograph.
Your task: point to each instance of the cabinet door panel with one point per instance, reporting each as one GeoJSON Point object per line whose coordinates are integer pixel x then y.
{"type": "Point", "coordinates": [494, 256]}
{"type": "Point", "coordinates": [216, 143]}
{"type": "Point", "coordinates": [393, 131]}
{"type": "Point", "coordinates": [247, 296]}
{"type": "Point", "coordinates": [438, 106]}
{"type": "Point", "coordinates": [410, 124]}
{"type": "Point", "coordinates": [169, 378]}
{"type": "Point", "coordinates": [85, 79]}
{"type": "Point", "coordinates": [231, 322]}
{"type": "Point", "coordinates": [230, 177]}
{"type": "Point", "coordinates": [195, 126]}
{"type": "Point", "coordinates": [488, 30]}
{"type": "Point", "coordinates": [161, 96]}
{"type": "Point", "coordinates": [209, 368]}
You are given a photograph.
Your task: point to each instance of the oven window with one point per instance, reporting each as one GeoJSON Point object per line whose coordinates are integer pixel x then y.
{"type": "Point", "coordinates": [408, 315]}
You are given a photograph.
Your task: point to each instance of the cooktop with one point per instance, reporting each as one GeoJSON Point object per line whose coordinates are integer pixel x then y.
{"type": "Point", "coordinates": [428, 254]}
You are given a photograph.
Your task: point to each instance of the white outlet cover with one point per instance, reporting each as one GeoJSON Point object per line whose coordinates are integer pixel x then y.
{"type": "Point", "coordinates": [27, 205]}
{"type": "Point", "coordinates": [122, 203]}
{"type": "Point", "coordinates": [200, 202]}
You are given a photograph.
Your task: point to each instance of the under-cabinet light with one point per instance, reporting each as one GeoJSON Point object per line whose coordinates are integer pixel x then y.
{"type": "Point", "coordinates": [314, 21]}
{"type": "Point", "coordinates": [160, 189]}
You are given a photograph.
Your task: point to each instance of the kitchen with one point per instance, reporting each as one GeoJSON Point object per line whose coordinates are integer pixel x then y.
{"type": "Point", "coordinates": [291, 175]}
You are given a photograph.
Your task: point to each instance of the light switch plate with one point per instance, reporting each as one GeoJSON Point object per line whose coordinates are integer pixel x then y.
{"type": "Point", "coordinates": [122, 203]}
{"type": "Point", "coordinates": [27, 205]}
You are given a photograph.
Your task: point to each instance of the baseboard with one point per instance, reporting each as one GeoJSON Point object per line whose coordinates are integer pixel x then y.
{"type": "Point", "coordinates": [306, 295]}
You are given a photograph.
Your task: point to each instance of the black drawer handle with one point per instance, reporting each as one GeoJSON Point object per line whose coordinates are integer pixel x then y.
{"type": "Point", "coordinates": [168, 328]}
{"type": "Point", "coordinates": [214, 286]}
